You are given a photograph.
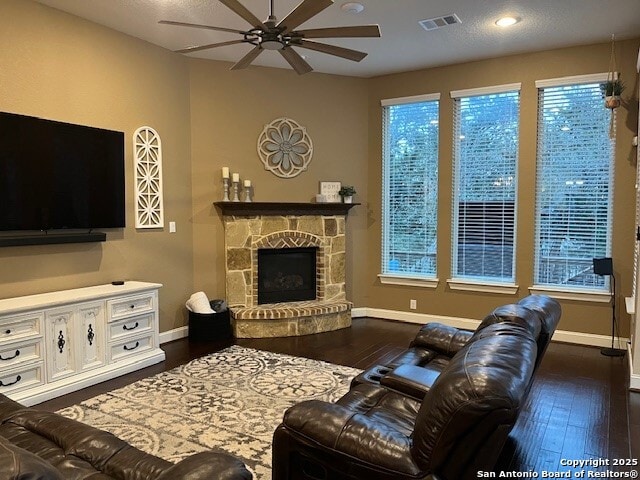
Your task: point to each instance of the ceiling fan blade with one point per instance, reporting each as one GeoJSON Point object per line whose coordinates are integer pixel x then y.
{"type": "Point", "coordinates": [347, 53]}
{"type": "Point", "coordinates": [242, 11]}
{"type": "Point", "coordinates": [360, 31]}
{"type": "Point", "coordinates": [303, 12]}
{"type": "Point", "coordinates": [195, 25]}
{"type": "Point", "coordinates": [245, 61]}
{"type": "Point", "coordinates": [296, 61]}
{"type": "Point", "coordinates": [211, 45]}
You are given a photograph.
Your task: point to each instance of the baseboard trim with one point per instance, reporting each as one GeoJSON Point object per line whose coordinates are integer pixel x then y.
{"type": "Point", "coordinates": [175, 334]}
{"type": "Point", "coordinates": [420, 318]}
{"type": "Point", "coordinates": [634, 378]}
{"type": "Point", "coordinates": [358, 312]}
{"type": "Point", "coordinates": [579, 338]}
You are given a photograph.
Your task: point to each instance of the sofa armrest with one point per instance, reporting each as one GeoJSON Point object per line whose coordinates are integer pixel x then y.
{"type": "Point", "coordinates": [444, 339]}
{"type": "Point", "coordinates": [321, 421]}
{"type": "Point", "coordinates": [207, 466]}
{"type": "Point", "coordinates": [411, 380]}
{"type": "Point", "coordinates": [345, 432]}
{"type": "Point", "coordinates": [17, 463]}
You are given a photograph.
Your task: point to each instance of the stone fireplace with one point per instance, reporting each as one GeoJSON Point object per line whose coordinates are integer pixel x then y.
{"type": "Point", "coordinates": [305, 237]}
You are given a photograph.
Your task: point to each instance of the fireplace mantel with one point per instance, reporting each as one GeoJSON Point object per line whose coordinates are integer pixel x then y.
{"type": "Point", "coordinates": [250, 209]}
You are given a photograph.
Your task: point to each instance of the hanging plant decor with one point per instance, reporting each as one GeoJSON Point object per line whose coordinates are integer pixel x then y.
{"type": "Point", "coordinates": [147, 149]}
{"type": "Point", "coordinates": [612, 91]}
{"type": "Point", "coordinates": [285, 148]}
{"type": "Point", "coordinates": [612, 88]}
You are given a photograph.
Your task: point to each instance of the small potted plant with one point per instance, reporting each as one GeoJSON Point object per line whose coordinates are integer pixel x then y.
{"type": "Point", "coordinates": [347, 192]}
{"type": "Point", "coordinates": [612, 89]}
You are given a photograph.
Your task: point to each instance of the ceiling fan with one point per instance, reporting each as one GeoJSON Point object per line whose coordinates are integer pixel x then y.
{"type": "Point", "coordinates": [281, 36]}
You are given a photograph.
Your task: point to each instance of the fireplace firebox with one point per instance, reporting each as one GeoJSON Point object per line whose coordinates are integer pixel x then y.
{"type": "Point", "coordinates": [286, 274]}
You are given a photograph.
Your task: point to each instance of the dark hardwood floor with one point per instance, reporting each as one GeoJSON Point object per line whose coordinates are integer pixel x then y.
{"type": "Point", "coordinates": [579, 407]}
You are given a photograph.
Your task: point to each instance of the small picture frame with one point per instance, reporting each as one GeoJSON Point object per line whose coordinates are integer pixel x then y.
{"type": "Point", "coordinates": [330, 191]}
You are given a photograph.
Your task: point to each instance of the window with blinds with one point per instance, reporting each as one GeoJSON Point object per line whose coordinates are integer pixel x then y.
{"type": "Point", "coordinates": [485, 145]}
{"type": "Point", "coordinates": [410, 186]}
{"type": "Point", "coordinates": [574, 191]}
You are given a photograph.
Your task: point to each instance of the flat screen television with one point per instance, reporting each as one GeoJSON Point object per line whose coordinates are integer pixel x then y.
{"type": "Point", "coordinates": [56, 175]}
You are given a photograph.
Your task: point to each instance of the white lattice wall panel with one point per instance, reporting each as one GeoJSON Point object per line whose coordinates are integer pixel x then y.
{"type": "Point", "coordinates": [147, 149]}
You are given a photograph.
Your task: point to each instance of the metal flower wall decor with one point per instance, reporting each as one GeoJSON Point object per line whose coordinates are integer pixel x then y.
{"type": "Point", "coordinates": [285, 148]}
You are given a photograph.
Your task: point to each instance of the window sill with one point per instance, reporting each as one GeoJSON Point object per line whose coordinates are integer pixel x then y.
{"type": "Point", "coordinates": [596, 296]}
{"type": "Point", "coordinates": [387, 279]}
{"type": "Point", "coordinates": [480, 286]}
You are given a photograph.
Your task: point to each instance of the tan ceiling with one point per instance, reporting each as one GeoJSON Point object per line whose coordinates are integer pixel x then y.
{"type": "Point", "coordinates": [405, 45]}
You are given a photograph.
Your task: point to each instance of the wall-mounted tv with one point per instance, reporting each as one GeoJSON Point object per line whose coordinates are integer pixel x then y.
{"type": "Point", "coordinates": [56, 175]}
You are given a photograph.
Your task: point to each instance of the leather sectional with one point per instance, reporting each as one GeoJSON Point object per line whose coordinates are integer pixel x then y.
{"type": "Point", "coordinates": [39, 445]}
{"type": "Point", "coordinates": [442, 410]}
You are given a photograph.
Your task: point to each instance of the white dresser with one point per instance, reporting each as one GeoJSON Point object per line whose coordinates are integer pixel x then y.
{"type": "Point", "coordinates": [58, 342]}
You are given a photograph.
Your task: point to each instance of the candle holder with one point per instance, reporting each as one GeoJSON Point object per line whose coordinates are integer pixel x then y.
{"type": "Point", "coordinates": [247, 194]}
{"type": "Point", "coordinates": [225, 189]}
{"type": "Point", "coordinates": [235, 192]}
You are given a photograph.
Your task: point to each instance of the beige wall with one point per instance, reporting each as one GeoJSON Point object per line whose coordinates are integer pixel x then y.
{"type": "Point", "coordinates": [64, 68]}
{"type": "Point", "coordinates": [60, 67]}
{"type": "Point", "coordinates": [525, 68]}
{"type": "Point", "coordinates": [229, 111]}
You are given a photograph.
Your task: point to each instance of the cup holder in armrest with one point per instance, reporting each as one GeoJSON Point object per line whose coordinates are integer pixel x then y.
{"type": "Point", "coordinates": [373, 376]}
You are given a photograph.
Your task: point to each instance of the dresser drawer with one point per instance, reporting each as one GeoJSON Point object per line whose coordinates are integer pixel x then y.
{"type": "Point", "coordinates": [126, 307]}
{"type": "Point", "coordinates": [128, 348]}
{"type": "Point", "coordinates": [27, 351]}
{"type": "Point", "coordinates": [20, 326]}
{"type": "Point", "coordinates": [128, 327]}
{"type": "Point", "coordinates": [21, 377]}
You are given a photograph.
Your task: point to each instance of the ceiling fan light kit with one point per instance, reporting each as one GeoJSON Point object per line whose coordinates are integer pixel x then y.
{"type": "Point", "coordinates": [352, 7]}
{"type": "Point", "coordinates": [282, 36]}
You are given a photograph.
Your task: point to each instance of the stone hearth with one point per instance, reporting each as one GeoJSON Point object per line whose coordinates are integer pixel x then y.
{"type": "Point", "coordinates": [251, 227]}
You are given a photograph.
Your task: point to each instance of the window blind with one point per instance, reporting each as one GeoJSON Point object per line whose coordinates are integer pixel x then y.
{"type": "Point", "coordinates": [574, 191]}
{"type": "Point", "coordinates": [485, 184]}
{"type": "Point", "coordinates": [410, 187]}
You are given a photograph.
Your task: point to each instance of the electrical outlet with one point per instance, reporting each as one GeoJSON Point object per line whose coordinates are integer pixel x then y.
{"type": "Point", "coordinates": [413, 304]}
{"type": "Point", "coordinates": [172, 227]}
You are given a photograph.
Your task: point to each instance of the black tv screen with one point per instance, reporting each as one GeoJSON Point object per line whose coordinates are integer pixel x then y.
{"type": "Point", "coordinates": [56, 175]}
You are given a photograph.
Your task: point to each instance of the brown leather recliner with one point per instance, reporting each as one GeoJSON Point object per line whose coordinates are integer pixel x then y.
{"type": "Point", "coordinates": [39, 445]}
{"type": "Point", "coordinates": [456, 430]}
{"type": "Point", "coordinates": [414, 370]}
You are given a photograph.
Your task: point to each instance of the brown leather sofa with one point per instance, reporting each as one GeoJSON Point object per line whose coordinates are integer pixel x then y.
{"type": "Point", "coordinates": [443, 411]}
{"type": "Point", "coordinates": [39, 445]}
{"type": "Point", "coordinates": [436, 343]}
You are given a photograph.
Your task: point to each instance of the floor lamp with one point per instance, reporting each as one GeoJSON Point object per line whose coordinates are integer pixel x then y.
{"type": "Point", "coordinates": [604, 267]}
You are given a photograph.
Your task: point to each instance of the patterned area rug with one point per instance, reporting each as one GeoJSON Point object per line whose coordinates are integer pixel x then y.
{"type": "Point", "coordinates": [231, 400]}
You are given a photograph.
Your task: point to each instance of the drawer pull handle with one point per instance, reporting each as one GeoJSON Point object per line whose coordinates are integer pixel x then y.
{"type": "Point", "coordinates": [132, 306]}
{"type": "Point", "coordinates": [11, 358]}
{"type": "Point", "coordinates": [90, 335]}
{"type": "Point", "coordinates": [7, 331]}
{"type": "Point", "coordinates": [2, 384]}
{"type": "Point", "coordinates": [124, 327]}
{"type": "Point", "coordinates": [61, 342]}
{"type": "Point", "coordinates": [132, 348]}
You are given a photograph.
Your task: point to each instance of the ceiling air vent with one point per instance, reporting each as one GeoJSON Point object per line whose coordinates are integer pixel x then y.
{"type": "Point", "coordinates": [439, 22]}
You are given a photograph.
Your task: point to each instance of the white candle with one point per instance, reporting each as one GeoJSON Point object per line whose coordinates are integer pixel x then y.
{"type": "Point", "coordinates": [247, 183]}
{"type": "Point", "coordinates": [236, 177]}
{"type": "Point", "coordinates": [225, 172]}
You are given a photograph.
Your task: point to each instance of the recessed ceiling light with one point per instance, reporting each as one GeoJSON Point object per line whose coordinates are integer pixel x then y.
{"type": "Point", "coordinates": [507, 21]}
{"type": "Point", "coordinates": [352, 7]}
